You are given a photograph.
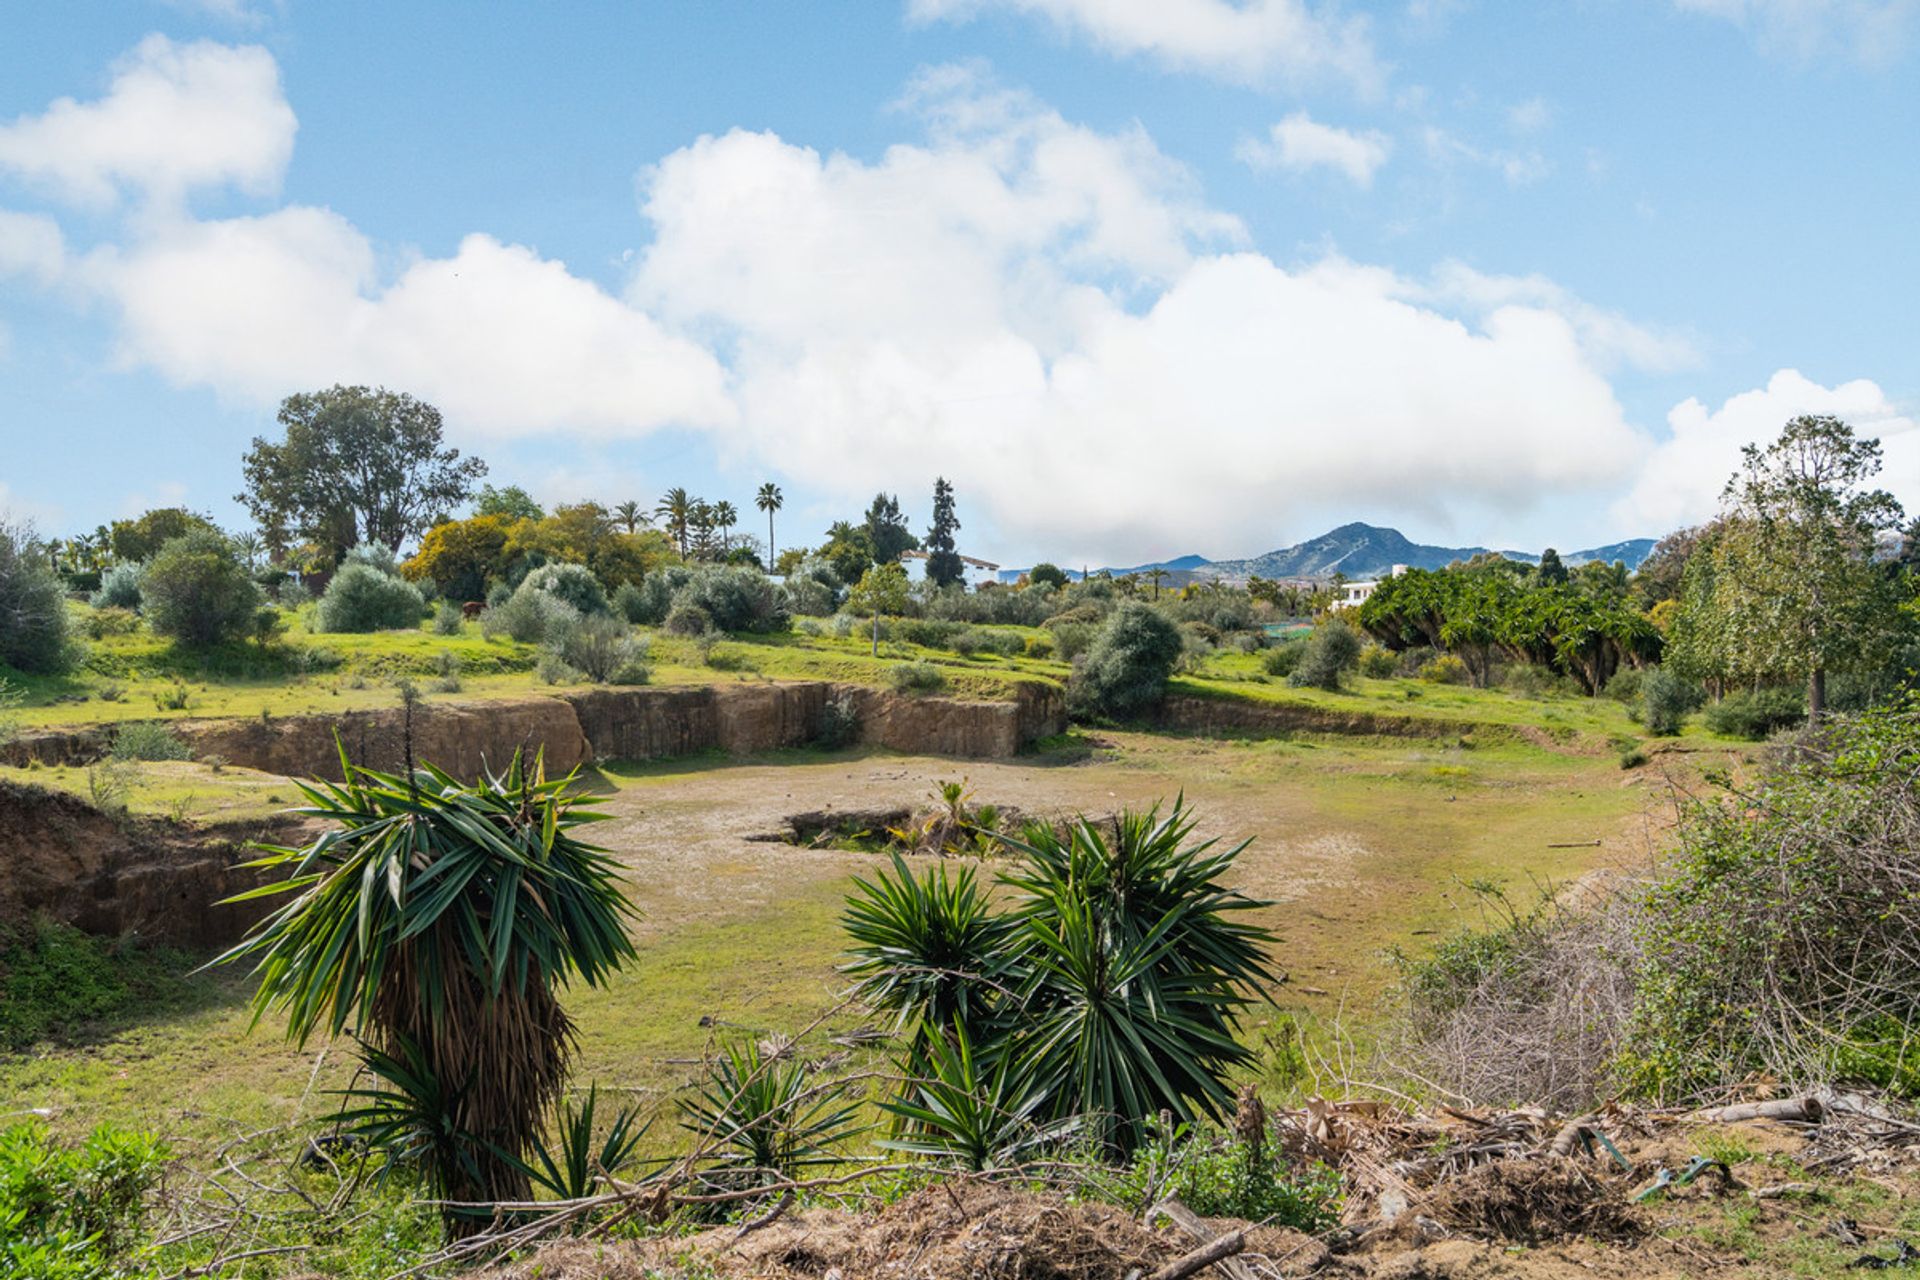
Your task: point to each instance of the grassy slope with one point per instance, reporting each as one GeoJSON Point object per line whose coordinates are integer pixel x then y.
{"type": "Point", "coordinates": [320, 674]}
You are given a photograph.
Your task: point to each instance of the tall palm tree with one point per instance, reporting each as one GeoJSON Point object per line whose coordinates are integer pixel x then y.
{"type": "Point", "coordinates": [770, 500]}
{"type": "Point", "coordinates": [437, 920]}
{"type": "Point", "coordinates": [676, 508]}
{"type": "Point", "coordinates": [724, 518]}
{"type": "Point", "coordinates": [1157, 576]}
{"type": "Point", "coordinates": [700, 525]}
{"type": "Point", "coordinates": [630, 515]}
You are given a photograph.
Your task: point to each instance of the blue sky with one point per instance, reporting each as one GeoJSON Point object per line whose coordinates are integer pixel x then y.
{"type": "Point", "coordinates": [1143, 277]}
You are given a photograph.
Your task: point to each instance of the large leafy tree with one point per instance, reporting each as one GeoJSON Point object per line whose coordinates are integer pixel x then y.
{"type": "Point", "coordinates": [882, 589]}
{"type": "Point", "coordinates": [139, 538]}
{"type": "Point", "coordinates": [511, 503]}
{"type": "Point", "coordinates": [886, 530]}
{"type": "Point", "coordinates": [437, 921]}
{"type": "Point", "coordinates": [847, 550]}
{"type": "Point", "coordinates": [1792, 590]}
{"type": "Point", "coordinates": [357, 465]}
{"type": "Point", "coordinates": [943, 561]}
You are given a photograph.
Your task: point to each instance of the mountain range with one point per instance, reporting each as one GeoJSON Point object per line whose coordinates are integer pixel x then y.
{"type": "Point", "coordinates": [1358, 551]}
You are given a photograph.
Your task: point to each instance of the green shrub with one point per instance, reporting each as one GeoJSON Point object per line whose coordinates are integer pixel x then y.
{"type": "Point", "coordinates": [687, 620]}
{"type": "Point", "coordinates": [111, 621]}
{"type": "Point", "coordinates": [599, 646]}
{"type": "Point", "coordinates": [1331, 650]}
{"type": "Point", "coordinates": [1039, 646]}
{"type": "Point", "coordinates": [148, 740]}
{"type": "Point", "coordinates": [198, 593]}
{"type": "Point", "coordinates": [531, 617]}
{"type": "Point", "coordinates": [572, 583]}
{"type": "Point", "coordinates": [1218, 1176]}
{"type": "Point", "coordinates": [1626, 685]}
{"type": "Point", "coordinates": [1755, 714]}
{"type": "Point", "coordinates": [916, 677]}
{"type": "Point", "coordinates": [73, 1211]}
{"type": "Point", "coordinates": [1377, 662]}
{"type": "Point", "coordinates": [554, 669]}
{"type": "Point", "coordinates": [1781, 941]}
{"type": "Point", "coordinates": [1125, 671]}
{"type": "Point", "coordinates": [448, 619]}
{"type": "Point", "coordinates": [1071, 639]}
{"type": "Point", "coordinates": [1666, 699]}
{"type": "Point", "coordinates": [1445, 668]}
{"type": "Point", "coordinates": [119, 588]}
{"type": "Point", "coordinates": [929, 633]}
{"type": "Point", "coordinates": [34, 630]}
{"type": "Point", "coordinates": [737, 598]}
{"type": "Point", "coordinates": [814, 589]}
{"type": "Point", "coordinates": [292, 594]}
{"type": "Point", "coordinates": [362, 599]}
{"type": "Point", "coordinates": [1282, 658]}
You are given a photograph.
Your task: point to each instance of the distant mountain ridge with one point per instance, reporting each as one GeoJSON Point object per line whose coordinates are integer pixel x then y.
{"type": "Point", "coordinates": [1358, 550]}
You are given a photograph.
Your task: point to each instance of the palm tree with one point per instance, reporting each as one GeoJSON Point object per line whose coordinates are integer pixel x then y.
{"type": "Point", "coordinates": [676, 508]}
{"type": "Point", "coordinates": [249, 546]}
{"type": "Point", "coordinates": [700, 522]}
{"type": "Point", "coordinates": [769, 500]}
{"type": "Point", "coordinates": [724, 518]}
{"type": "Point", "coordinates": [630, 515]}
{"type": "Point", "coordinates": [437, 921]}
{"type": "Point", "coordinates": [1158, 576]}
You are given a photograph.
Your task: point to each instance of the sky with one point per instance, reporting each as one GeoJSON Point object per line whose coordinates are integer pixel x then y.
{"type": "Point", "coordinates": [1140, 277]}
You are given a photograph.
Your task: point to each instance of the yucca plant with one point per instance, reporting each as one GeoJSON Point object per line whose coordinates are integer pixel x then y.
{"type": "Point", "coordinates": [764, 1120]}
{"type": "Point", "coordinates": [970, 1108]}
{"type": "Point", "coordinates": [926, 948]}
{"type": "Point", "coordinates": [1135, 964]}
{"type": "Point", "coordinates": [438, 919]}
{"type": "Point", "coordinates": [579, 1157]}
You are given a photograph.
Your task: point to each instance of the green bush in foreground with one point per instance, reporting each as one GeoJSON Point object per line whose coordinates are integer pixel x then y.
{"type": "Point", "coordinates": [1781, 941]}
{"type": "Point", "coordinates": [1218, 1176]}
{"type": "Point", "coordinates": [73, 1210]}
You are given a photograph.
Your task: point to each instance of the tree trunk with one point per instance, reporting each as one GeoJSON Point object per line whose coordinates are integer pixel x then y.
{"type": "Point", "coordinates": [876, 633]}
{"type": "Point", "coordinates": [1816, 695]}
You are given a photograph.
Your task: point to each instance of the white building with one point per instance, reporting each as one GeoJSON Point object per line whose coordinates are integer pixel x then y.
{"type": "Point", "coordinates": [978, 572]}
{"type": "Point", "coordinates": [1354, 594]}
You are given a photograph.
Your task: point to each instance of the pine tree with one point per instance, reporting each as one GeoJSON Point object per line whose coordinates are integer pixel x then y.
{"type": "Point", "coordinates": [943, 562]}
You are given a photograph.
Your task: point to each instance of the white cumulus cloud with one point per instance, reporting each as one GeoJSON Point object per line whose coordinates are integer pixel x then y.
{"type": "Point", "coordinates": [1682, 479]}
{"type": "Point", "coordinates": [1299, 143]}
{"type": "Point", "coordinates": [1046, 316]}
{"type": "Point", "coordinates": [1241, 40]}
{"type": "Point", "coordinates": [176, 117]}
{"type": "Point", "coordinates": [501, 339]}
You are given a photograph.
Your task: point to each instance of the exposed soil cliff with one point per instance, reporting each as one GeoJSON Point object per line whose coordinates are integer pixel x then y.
{"type": "Point", "coordinates": [581, 726]}
{"type": "Point", "coordinates": [114, 875]}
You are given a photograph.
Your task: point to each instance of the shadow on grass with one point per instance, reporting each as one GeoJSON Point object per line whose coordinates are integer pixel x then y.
{"type": "Point", "coordinates": [70, 989]}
